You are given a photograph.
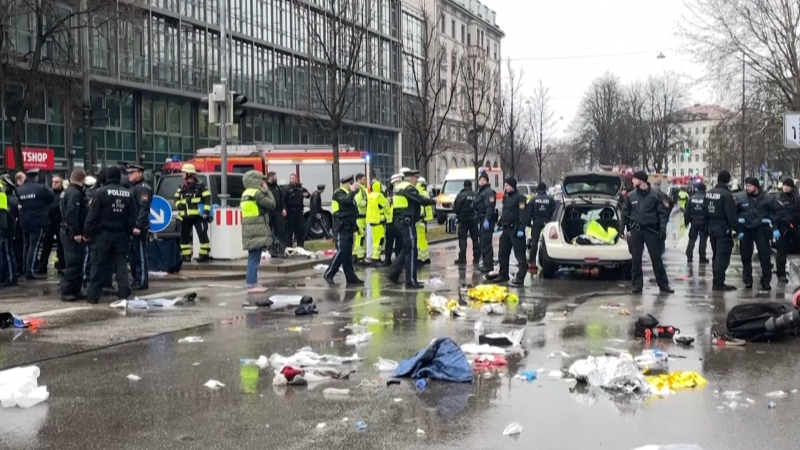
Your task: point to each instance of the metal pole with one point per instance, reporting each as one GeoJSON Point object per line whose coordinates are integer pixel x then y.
{"type": "Point", "coordinates": [223, 120]}
{"type": "Point", "coordinates": [89, 157]}
{"type": "Point", "coordinates": [744, 130]}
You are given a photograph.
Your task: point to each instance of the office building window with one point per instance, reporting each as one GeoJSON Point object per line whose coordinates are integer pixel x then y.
{"type": "Point", "coordinates": [453, 29]}
{"type": "Point", "coordinates": [463, 33]}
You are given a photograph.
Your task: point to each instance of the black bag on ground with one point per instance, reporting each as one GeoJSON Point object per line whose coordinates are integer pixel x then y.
{"type": "Point", "coordinates": [644, 323]}
{"type": "Point", "coordinates": [762, 321]}
{"type": "Point", "coordinates": [164, 255]}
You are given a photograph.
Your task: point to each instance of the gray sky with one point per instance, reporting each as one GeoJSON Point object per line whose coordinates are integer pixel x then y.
{"type": "Point", "coordinates": [563, 43]}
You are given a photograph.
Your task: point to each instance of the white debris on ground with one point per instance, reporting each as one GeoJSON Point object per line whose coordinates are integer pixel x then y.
{"type": "Point", "coordinates": [213, 384]}
{"type": "Point", "coordinates": [615, 373]}
{"type": "Point", "coordinates": [20, 387]}
{"type": "Point", "coordinates": [307, 358]}
{"type": "Point", "coordinates": [153, 303]}
{"type": "Point", "coordinates": [190, 340]}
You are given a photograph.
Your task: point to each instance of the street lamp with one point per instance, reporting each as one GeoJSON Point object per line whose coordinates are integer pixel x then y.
{"type": "Point", "coordinates": [661, 56]}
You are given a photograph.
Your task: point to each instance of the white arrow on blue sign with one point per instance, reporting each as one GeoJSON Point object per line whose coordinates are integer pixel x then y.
{"type": "Point", "coordinates": [160, 214]}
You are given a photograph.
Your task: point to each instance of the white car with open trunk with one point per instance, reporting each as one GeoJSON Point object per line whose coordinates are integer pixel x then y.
{"type": "Point", "coordinates": [587, 196]}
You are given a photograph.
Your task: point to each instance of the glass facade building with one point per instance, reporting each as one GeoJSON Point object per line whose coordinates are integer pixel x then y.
{"type": "Point", "coordinates": [151, 73]}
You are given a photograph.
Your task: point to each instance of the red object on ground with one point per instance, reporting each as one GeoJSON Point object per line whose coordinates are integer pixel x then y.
{"type": "Point", "coordinates": [290, 372]}
{"type": "Point", "coordinates": [489, 362]}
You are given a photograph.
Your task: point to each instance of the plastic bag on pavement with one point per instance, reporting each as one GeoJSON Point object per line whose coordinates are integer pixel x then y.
{"type": "Point", "coordinates": [153, 303]}
{"type": "Point", "coordinates": [434, 284]}
{"type": "Point", "coordinates": [262, 362]}
{"type": "Point", "coordinates": [493, 309]}
{"type": "Point", "coordinates": [355, 339]}
{"type": "Point", "coordinates": [306, 358]}
{"type": "Point", "coordinates": [298, 251]}
{"type": "Point", "coordinates": [475, 349]}
{"type": "Point", "coordinates": [512, 428]}
{"type": "Point", "coordinates": [386, 365]}
{"type": "Point", "coordinates": [612, 373]}
{"type": "Point", "coordinates": [285, 300]}
{"type": "Point", "coordinates": [321, 267]}
{"type": "Point", "coordinates": [190, 340]}
{"type": "Point", "coordinates": [20, 387]}
{"type": "Point", "coordinates": [437, 304]}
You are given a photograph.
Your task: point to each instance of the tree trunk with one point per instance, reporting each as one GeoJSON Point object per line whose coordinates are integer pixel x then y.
{"type": "Point", "coordinates": [335, 147]}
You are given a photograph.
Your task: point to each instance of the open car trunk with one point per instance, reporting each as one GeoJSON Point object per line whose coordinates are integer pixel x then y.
{"type": "Point", "coordinates": [577, 216]}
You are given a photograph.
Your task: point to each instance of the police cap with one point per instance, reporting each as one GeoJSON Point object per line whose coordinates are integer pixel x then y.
{"type": "Point", "coordinates": [32, 172]}
{"type": "Point", "coordinates": [348, 179]}
{"type": "Point", "coordinates": [135, 167]}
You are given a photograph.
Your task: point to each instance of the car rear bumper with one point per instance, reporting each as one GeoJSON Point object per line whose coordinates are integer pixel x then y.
{"type": "Point", "coordinates": [588, 255]}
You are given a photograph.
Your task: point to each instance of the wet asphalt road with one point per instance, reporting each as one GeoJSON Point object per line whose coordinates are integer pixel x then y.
{"type": "Point", "coordinates": [85, 356]}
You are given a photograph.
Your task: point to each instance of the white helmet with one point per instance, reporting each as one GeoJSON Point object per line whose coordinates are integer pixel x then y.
{"type": "Point", "coordinates": [90, 181]}
{"type": "Point", "coordinates": [422, 181]}
{"type": "Point", "coordinates": [396, 177]}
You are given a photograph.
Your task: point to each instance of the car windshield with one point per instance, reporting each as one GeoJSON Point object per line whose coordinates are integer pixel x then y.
{"type": "Point", "coordinates": [235, 189]}
{"type": "Point", "coordinates": [452, 187]}
{"type": "Point", "coordinates": [168, 186]}
{"type": "Point", "coordinates": [589, 184]}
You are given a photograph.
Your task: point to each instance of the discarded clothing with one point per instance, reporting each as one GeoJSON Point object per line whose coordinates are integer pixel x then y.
{"type": "Point", "coordinates": [615, 373]}
{"type": "Point", "coordinates": [475, 349]}
{"type": "Point", "coordinates": [442, 360]}
{"type": "Point", "coordinates": [488, 293]}
{"type": "Point", "coordinates": [489, 362]}
{"type": "Point", "coordinates": [595, 231]}
{"type": "Point", "coordinates": [676, 380]}
{"type": "Point", "coordinates": [305, 310]}
{"type": "Point", "coordinates": [153, 303]}
{"type": "Point", "coordinates": [502, 339]}
{"type": "Point", "coordinates": [306, 358]}
{"type": "Point", "coordinates": [585, 239]}
{"type": "Point", "coordinates": [8, 320]}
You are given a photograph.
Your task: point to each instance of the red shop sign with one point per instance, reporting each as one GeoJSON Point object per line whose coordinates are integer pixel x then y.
{"type": "Point", "coordinates": [32, 158]}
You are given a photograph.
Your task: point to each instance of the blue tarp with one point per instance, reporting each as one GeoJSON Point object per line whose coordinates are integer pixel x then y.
{"type": "Point", "coordinates": [442, 360]}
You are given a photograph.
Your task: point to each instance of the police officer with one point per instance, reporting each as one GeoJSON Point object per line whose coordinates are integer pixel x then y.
{"type": "Point", "coordinates": [755, 227]}
{"type": "Point", "coordinates": [91, 188]}
{"type": "Point", "coordinates": [73, 216]}
{"type": "Point", "coordinates": [142, 195]}
{"type": "Point", "coordinates": [645, 215]}
{"type": "Point", "coordinates": [426, 215]}
{"type": "Point", "coordinates": [485, 211]}
{"type": "Point", "coordinates": [8, 269]}
{"type": "Point", "coordinates": [277, 217]}
{"type": "Point", "coordinates": [295, 224]}
{"type": "Point", "coordinates": [315, 212]}
{"type": "Point", "coordinates": [784, 220]}
{"type": "Point", "coordinates": [695, 218]}
{"type": "Point", "coordinates": [193, 202]}
{"type": "Point", "coordinates": [34, 217]}
{"type": "Point", "coordinates": [360, 235]}
{"type": "Point", "coordinates": [108, 227]}
{"type": "Point", "coordinates": [513, 219]}
{"type": "Point", "coordinates": [719, 210]}
{"type": "Point", "coordinates": [345, 215]}
{"type": "Point", "coordinates": [377, 207]}
{"type": "Point", "coordinates": [464, 209]}
{"type": "Point", "coordinates": [51, 235]}
{"type": "Point", "coordinates": [541, 209]}
{"type": "Point", "coordinates": [407, 207]}
{"type": "Point", "coordinates": [394, 241]}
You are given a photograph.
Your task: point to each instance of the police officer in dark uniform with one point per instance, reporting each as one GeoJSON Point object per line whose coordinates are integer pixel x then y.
{"type": "Point", "coordinates": [87, 259]}
{"type": "Point", "coordinates": [407, 205]}
{"type": "Point", "coordinates": [52, 234]}
{"type": "Point", "coordinates": [9, 274]}
{"type": "Point", "coordinates": [108, 227]}
{"type": "Point", "coordinates": [277, 217]}
{"type": "Point", "coordinates": [485, 203]}
{"type": "Point", "coordinates": [142, 196]}
{"type": "Point", "coordinates": [315, 212]}
{"type": "Point", "coordinates": [541, 209]}
{"type": "Point", "coordinates": [695, 218]}
{"type": "Point", "coordinates": [645, 215]}
{"type": "Point", "coordinates": [295, 224]}
{"type": "Point", "coordinates": [784, 220]}
{"type": "Point", "coordinates": [345, 213]}
{"type": "Point", "coordinates": [720, 213]}
{"type": "Point", "coordinates": [464, 209]}
{"type": "Point", "coordinates": [514, 219]}
{"type": "Point", "coordinates": [73, 216]}
{"type": "Point", "coordinates": [34, 217]}
{"type": "Point", "coordinates": [755, 227]}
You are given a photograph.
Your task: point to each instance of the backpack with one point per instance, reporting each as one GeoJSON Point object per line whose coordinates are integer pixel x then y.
{"type": "Point", "coordinates": [748, 321]}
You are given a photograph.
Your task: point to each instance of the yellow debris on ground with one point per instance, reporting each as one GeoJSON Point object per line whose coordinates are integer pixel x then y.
{"type": "Point", "coordinates": [489, 293]}
{"type": "Point", "coordinates": [676, 380]}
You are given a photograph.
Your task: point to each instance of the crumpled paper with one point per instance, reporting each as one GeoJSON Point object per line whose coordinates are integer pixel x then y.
{"type": "Point", "coordinates": [614, 373]}
{"type": "Point", "coordinates": [676, 380]}
{"type": "Point", "coordinates": [306, 358]}
{"type": "Point", "coordinates": [488, 293]}
{"type": "Point", "coordinates": [437, 304]}
{"type": "Point", "coordinates": [434, 284]}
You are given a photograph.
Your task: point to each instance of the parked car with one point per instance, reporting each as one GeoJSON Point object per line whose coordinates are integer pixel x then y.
{"type": "Point", "coordinates": [586, 196]}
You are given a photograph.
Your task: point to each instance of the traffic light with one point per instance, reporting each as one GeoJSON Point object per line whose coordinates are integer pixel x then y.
{"type": "Point", "coordinates": [236, 109]}
{"type": "Point", "coordinates": [208, 107]}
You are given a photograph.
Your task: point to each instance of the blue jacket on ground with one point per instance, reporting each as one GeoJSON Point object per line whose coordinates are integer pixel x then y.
{"type": "Point", "coordinates": [442, 360]}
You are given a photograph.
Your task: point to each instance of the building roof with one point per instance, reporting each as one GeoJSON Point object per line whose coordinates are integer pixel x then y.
{"type": "Point", "coordinates": [704, 112]}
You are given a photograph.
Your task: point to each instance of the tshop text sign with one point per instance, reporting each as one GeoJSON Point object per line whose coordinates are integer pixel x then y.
{"type": "Point", "coordinates": [32, 158]}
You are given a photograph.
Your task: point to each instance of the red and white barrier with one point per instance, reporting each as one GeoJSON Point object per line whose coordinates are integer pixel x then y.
{"type": "Point", "coordinates": [225, 233]}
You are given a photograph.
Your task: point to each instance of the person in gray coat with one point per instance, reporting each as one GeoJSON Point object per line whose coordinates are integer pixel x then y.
{"type": "Point", "coordinates": [257, 201]}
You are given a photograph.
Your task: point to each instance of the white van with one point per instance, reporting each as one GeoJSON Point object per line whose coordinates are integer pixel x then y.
{"type": "Point", "coordinates": [454, 183]}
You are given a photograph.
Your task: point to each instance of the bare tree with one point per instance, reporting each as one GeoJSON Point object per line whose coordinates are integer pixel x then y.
{"type": "Point", "coordinates": [425, 111]}
{"type": "Point", "coordinates": [480, 104]}
{"type": "Point", "coordinates": [515, 133]}
{"type": "Point", "coordinates": [762, 34]}
{"type": "Point", "coordinates": [601, 112]}
{"type": "Point", "coordinates": [666, 95]}
{"type": "Point", "coordinates": [337, 50]}
{"type": "Point", "coordinates": [39, 51]}
{"type": "Point", "coordinates": [541, 123]}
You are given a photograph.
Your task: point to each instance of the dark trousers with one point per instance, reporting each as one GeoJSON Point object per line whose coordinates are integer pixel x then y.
{"type": "Point", "coordinates": [344, 255]}
{"type": "Point", "coordinates": [468, 227]}
{"type": "Point", "coordinates": [757, 236]}
{"type": "Point", "coordinates": [639, 239]}
{"type": "Point", "coordinates": [187, 244]}
{"type": "Point", "coordinates": [784, 246]}
{"type": "Point", "coordinates": [138, 260]}
{"type": "Point", "coordinates": [408, 256]}
{"type": "Point", "coordinates": [32, 244]}
{"type": "Point", "coordinates": [109, 253]}
{"type": "Point", "coordinates": [394, 242]}
{"type": "Point", "coordinates": [722, 247]}
{"type": "Point", "coordinates": [74, 256]}
{"type": "Point", "coordinates": [509, 241]}
{"type": "Point", "coordinates": [19, 250]}
{"type": "Point", "coordinates": [278, 225]}
{"type": "Point", "coordinates": [536, 230]}
{"type": "Point", "coordinates": [8, 263]}
{"type": "Point", "coordinates": [51, 236]}
{"type": "Point", "coordinates": [487, 248]}
{"type": "Point", "coordinates": [295, 227]}
{"type": "Point", "coordinates": [315, 219]}
{"type": "Point", "coordinates": [695, 232]}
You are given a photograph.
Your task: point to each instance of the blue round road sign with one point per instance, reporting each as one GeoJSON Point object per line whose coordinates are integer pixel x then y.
{"type": "Point", "coordinates": [160, 214]}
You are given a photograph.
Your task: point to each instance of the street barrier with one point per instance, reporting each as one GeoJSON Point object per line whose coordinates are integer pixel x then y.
{"type": "Point", "coordinates": [225, 234]}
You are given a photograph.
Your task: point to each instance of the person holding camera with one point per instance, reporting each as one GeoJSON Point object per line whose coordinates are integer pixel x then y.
{"type": "Point", "coordinates": [345, 214]}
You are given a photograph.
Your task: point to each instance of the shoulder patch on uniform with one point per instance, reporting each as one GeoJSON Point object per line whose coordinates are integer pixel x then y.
{"type": "Point", "coordinates": [666, 203]}
{"type": "Point", "coordinates": [522, 205]}
{"type": "Point", "coordinates": [145, 196]}
{"type": "Point", "coordinates": [491, 199]}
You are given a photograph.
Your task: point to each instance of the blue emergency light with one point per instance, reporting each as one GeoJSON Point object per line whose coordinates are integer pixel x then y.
{"type": "Point", "coordinates": [176, 158]}
{"type": "Point", "coordinates": [698, 180]}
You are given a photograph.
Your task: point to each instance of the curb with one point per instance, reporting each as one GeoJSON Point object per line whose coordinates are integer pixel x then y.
{"type": "Point", "coordinates": [794, 264]}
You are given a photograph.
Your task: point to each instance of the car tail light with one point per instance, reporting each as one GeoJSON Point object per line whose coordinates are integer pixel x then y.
{"type": "Point", "coordinates": [591, 260]}
{"type": "Point", "coordinates": [553, 233]}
